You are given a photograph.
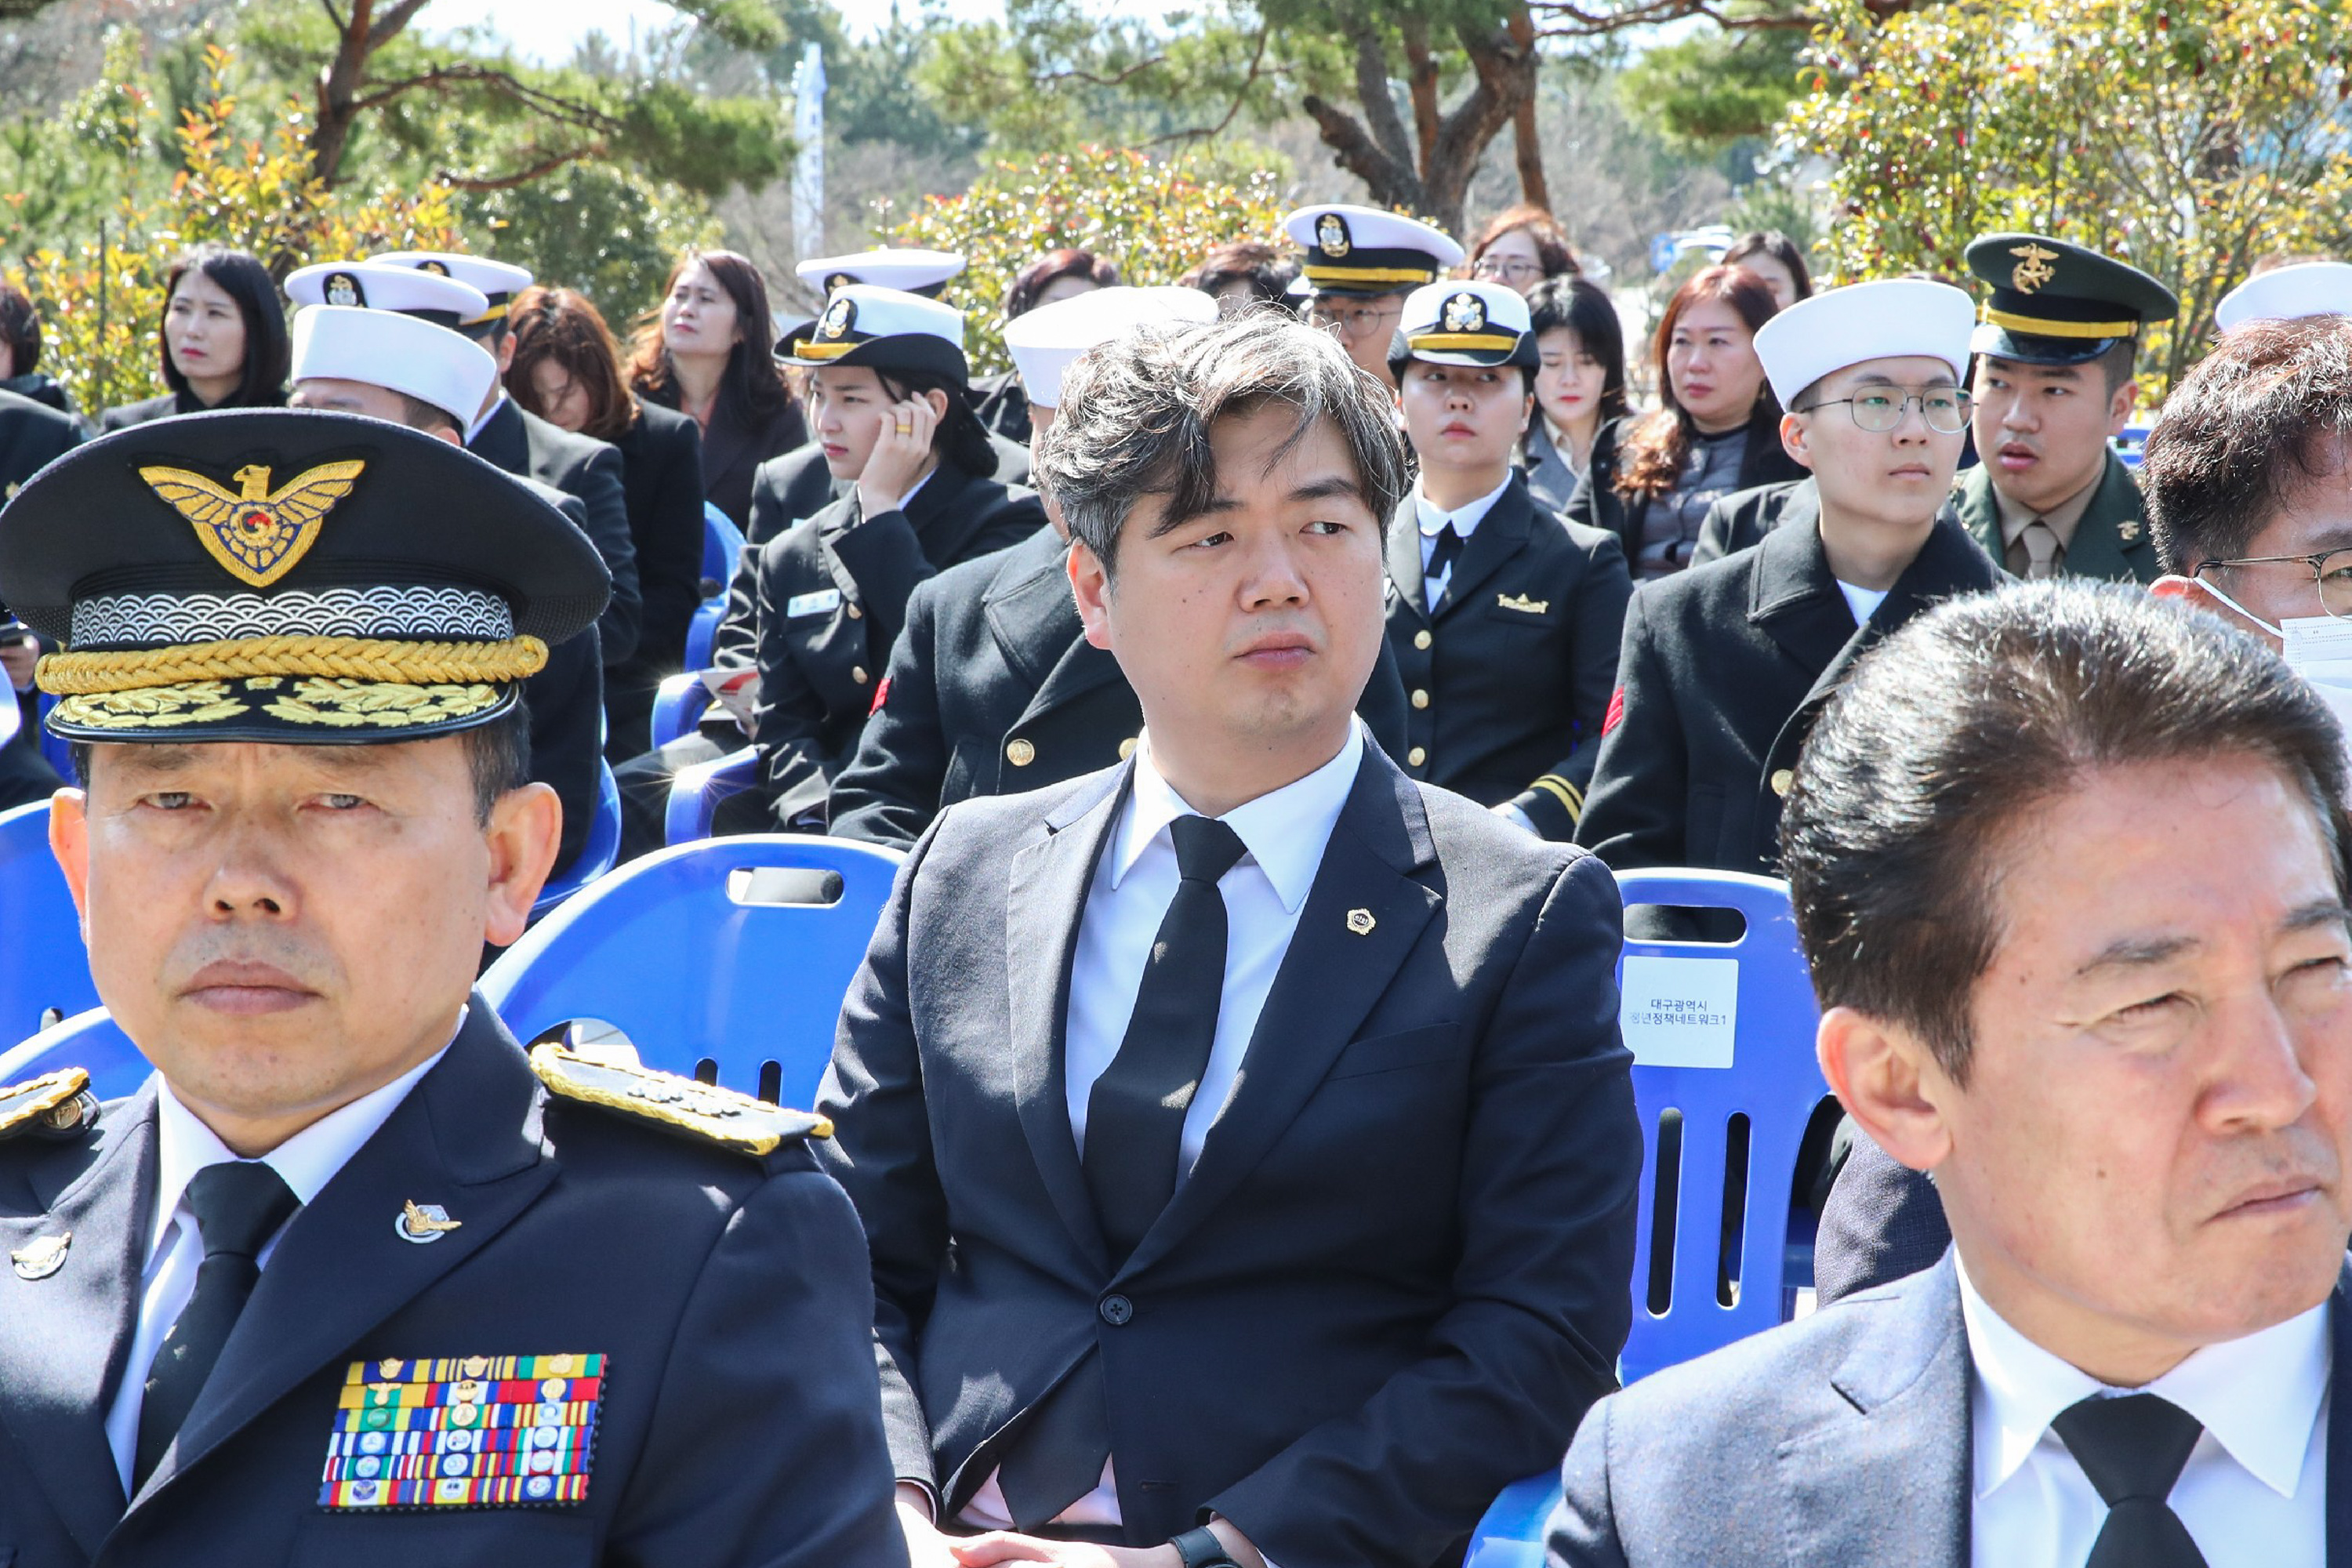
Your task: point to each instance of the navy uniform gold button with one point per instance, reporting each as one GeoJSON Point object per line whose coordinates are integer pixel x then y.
{"type": "Point", "coordinates": [1020, 754]}
{"type": "Point", "coordinates": [1781, 779]}
{"type": "Point", "coordinates": [1127, 748]}
{"type": "Point", "coordinates": [1116, 1310]}
{"type": "Point", "coordinates": [1421, 639]}
{"type": "Point", "coordinates": [858, 673]}
{"type": "Point", "coordinates": [1415, 757]}
{"type": "Point", "coordinates": [1420, 698]}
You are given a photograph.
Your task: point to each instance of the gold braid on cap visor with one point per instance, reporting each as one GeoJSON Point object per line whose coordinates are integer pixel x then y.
{"type": "Point", "coordinates": [383, 659]}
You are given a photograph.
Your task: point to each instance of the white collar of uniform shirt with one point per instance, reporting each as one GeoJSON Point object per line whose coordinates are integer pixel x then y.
{"type": "Point", "coordinates": [1465, 521]}
{"type": "Point", "coordinates": [1285, 830]}
{"type": "Point", "coordinates": [306, 1161]}
{"type": "Point", "coordinates": [485, 415]}
{"type": "Point", "coordinates": [2258, 1396]}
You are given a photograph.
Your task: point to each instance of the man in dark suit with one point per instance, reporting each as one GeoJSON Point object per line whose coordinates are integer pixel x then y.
{"type": "Point", "coordinates": [1724, 666]}
{"type": "Point", "coordinates": [1241, 1133]}
{"type": "Point", "coordinates": [2130, 1068]}
{"type": "Point", "coordinates": [351, 1279]}
{"type": "Point", "coordinates": [1504, 619]}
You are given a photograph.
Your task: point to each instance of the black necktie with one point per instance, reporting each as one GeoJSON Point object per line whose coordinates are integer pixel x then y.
{"type": "Point", "coordinates": [2133, 1449]}
{"type": "Point", "coordinates": [238, 1206]}
{"type": "Point", "coordinates": [1442, 554]}
{"type": "Point", "coordinates": [1135, 1113]}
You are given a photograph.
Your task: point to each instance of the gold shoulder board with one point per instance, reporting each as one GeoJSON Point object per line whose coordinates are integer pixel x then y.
{"type": "Point", "coordinates": [718, 1115]}
{"type": "Point", "coordinates": [57, 1104]}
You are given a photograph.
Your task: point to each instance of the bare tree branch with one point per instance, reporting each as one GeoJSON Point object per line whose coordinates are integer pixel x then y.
{"type": "Point", "coordinates": [568, 110]}
{"type": "Point", "coordinates": [547, 166]}
{"type": "Point", "coordinates": [1092, 79]}
{"type": "Point", "coordinates": [1232, 111]}
{"type": "Point", "coordinates": [1421, 88]}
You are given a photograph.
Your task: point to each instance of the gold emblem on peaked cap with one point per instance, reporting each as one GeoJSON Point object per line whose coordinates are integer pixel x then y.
{"type": "Point", "coordinates": [1464, 312]}
{"type": "Point", "coordinates": [343, 289]}
{"type": "Point", "coordinates": [2033, 269]}
{"type": "Point", "coordinates": [839, 317]}
{"type": "Point", "coordinates": [1332, 235]}
{"type": "Point", "coordinates": [257, 535]}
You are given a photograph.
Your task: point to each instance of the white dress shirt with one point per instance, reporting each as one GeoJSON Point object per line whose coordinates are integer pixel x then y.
{"type": "Point", "coordinates": [1863, 602]}
{"type": "Point", "coordinates": [2253, 1494]}
{"type": "Point", "coordinates": [485, 415]}
{"type": "Point", "coordinates": [184, 1145]}
{"type": "Point", "coordinates": [1285, 832]}
{"type": "Point", "coordinates": [1464, 522]}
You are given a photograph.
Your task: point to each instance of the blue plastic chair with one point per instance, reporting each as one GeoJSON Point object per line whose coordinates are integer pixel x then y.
{"type": "Point", "coordinates": [44, 968]}
{"type": "Point", "coordinates": [1773, 1082]}
{"type": "Point", "coordinates": [695, 793]}
{"type": "Point", "coordinates": [89, 1040]}
{"type": "Point", "coordinates": [2132, 444]}
{"type": "Point", "coordinates": [597, 854]}
{"type": "Point", "coordinates": [722, 548]}
{"type": "Point", "coordinates": [727, 959]}
{"type": "Point", "coordinates": [678, 702]}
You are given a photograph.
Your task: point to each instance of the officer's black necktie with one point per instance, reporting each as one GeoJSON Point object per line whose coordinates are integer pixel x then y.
{"type": "Point", "coordinates": [1442, 553]}
{"type": "Point", "coordinates": [1135, 1113]}
{"type": "Point", "coordinates": [2133, 1449]}
{"type": "Point", "coordinates": [238, 1206]}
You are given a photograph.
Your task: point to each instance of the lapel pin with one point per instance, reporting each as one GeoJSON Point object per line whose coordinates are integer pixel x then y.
{"type": "Point", "coordinates": [421, 1223]}
{"type": "Point", "coordinates": [41, 1257]}
{"type": "Point", "coordinates": [1360, 921]}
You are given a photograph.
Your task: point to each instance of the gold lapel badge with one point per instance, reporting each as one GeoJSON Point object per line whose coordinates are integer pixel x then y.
{"type": "Point", "coordinates": [1360, 921]}
{"type": "Point", "coordinates": [1522, 604]}
{"type": "Point", "coordinates": [421, 1223]}
{"type": "Point", "coordinates": [41, 1257]}
{"type": "Point", "coordinates": [2128, 531]}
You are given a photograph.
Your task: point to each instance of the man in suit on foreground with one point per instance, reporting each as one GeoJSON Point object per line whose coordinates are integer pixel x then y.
{"type": "Point", "coordinates": [1242, 1135]}
{"type": "Point", "coordinates": [2125, 1053]}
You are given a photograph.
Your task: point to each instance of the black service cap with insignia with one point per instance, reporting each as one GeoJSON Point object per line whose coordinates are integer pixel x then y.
{"type": "Point", "coordinates": [2055, 302]}
{"type": "Point", "coordinates": [289, 576]}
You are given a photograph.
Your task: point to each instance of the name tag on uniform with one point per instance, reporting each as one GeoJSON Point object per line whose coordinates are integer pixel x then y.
{"type": "Point", "coordinates": [464, 1432]}
{"type": "Point", "coordinates": [825, 601]}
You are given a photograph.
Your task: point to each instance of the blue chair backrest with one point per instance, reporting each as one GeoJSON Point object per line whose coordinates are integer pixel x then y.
{"type": "Point", "coordinates": [1721, 1034]}
{"type": "Point", "coordinates": [722, 547]}
{"type": "Point", "coordinates": [2132, 444]}
{"type": "Point", "coordinates": [43, 964]}
{"type": "Point", "coordinates": [715, 958]}
{"type": "Point", "coordinates": [89, 1040]}
{"type": "Point", "coordinates": [696, 791]}
{"type": "Point", "coordinates": [598, 852]}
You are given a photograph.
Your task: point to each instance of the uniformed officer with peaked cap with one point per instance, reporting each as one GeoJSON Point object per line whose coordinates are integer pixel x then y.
{"type": "Point", "coordinates": [1360, 264]}
{"type": "Point", "coordinates": [351, 1279]}
{"type": "Point", "coordinates": [2056, 342]}
{"type": "Point", "coordinates": [924, 272]}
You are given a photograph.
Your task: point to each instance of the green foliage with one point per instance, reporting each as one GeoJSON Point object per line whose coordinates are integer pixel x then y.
{"type": "Point", "coordinates": [607, 231]}
{"type": "Point", "coordinates": [2189, 137]}
{"type": "Point", "coordinates": [1156, 218]}
{"type": "Point", "coordinates": [1712, 88]}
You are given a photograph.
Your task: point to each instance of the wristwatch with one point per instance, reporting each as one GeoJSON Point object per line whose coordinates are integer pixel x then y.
{"type": "Point", "coordinates": [1201, 1549]}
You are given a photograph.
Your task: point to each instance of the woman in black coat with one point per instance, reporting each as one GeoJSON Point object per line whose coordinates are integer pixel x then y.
{"type": "Point", "coordinates": [222, 341]}
{"type": "Point", "coordinates": [705, 351]}
{"type": "Point", "coordinates": [567, 370]}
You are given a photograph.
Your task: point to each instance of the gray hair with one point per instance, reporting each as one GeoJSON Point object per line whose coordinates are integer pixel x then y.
{"type": "Point", "coordinates": [1136, 415]}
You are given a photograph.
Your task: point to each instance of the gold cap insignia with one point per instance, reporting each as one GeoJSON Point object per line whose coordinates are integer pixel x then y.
{"type": "Point", "coordinates": [1331, 235]}
{"type": "Point", "coordinates": [1464, 312]}
{"type": "Point", "coordinates": [258, 535]}
{"type": "Point", "coordinates": [421, 1223]}
{"type": "Point", "coordinates": [1360, 921]}
{"type": "Point", "coordinates": [41, 1257]}
{"type": "Point", "coordinates": [343, 289]}
{"type": "Point", "coordinates": [839, 317]}
{"type": "Point", "coordinates": [2033, 269]}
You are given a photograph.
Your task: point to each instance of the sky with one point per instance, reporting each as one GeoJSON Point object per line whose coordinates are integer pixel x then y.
{"type": "Point", "coordinates": [545, 30]}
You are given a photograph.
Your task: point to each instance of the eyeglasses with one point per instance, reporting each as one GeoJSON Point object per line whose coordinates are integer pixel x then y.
{"type": "Point", "coordinates": [1352, 320]}
{"type": "Point", "coordinates": [1945, 410]}
{"type": "Point", "coordinates": [1510, 270]}
{"type": "Point", "coordinates": [2331, 572]}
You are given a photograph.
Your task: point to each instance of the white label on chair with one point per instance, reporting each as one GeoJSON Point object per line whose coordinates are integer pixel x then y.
{"type": "Point", "coordinates": [1680, 1012]}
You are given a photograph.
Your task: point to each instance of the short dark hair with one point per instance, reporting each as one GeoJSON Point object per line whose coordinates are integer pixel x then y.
{"type": "Point", "coordinates": [1020, 296]}
{"type": "Point", "coordinates": [1954, 730]}
{"type": "Point", "coordinates": [269, 348]}
{"type": "Point", "coordinates": [1136, 420]}
{"type": "Point", "coordinates": [497, 754]}
{"type": "Point", "coordinates": [20, 328]}
{"type": "Point", "coordinates": [1267, 271]}
{"type": "Point", "coordinates": [1584, 308]}
{"type": "Point", "coordinates": [419, 415]}
{"type": "Point", "coordinates": [1771, 242]}
{"type": "Point", "coordinates": [2267, 413]}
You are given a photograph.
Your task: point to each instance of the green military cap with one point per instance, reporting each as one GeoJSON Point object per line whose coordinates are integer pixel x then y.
{"type": "Point", "coordinates": [2055, 302]}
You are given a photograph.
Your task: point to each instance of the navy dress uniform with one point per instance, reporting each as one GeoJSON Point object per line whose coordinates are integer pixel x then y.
{"type": "Point", "coordinates": [550, 1310]}
{"type": "Point", "coordinates": [2052, 303]}
{"type": "Point", "coordinates": [1508, 672]}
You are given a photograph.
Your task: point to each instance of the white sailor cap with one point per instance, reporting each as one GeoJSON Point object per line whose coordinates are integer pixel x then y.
{"type": "Point", "coordinates": [1894, 318]}
{"type": "Point", "coordinates": [500, 281]}
{"type": "Point", "coordinates": [1048, 340]}
{"type": "Point", "coordinates": [1364, 250]}
{"type": "Point", "coordinates": [2288, 294]}
{"type": "Point", "coordinates": [887, 329]}
{"type": "Point", "coordinates": [373, 286]}
{"type": "Point", "coordinates": [384, 348]}
{"type": "Point", "coordinates": [924, 272]}
{"type": "Point", "coordinates": [1473, 323]}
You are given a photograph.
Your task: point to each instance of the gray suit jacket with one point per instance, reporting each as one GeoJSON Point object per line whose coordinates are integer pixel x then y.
{"type": "Point", "coordinates": [1841, 1439]}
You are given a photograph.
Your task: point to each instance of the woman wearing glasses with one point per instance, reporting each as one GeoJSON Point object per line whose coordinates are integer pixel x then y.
{"type": "Point", "coordinates": [1520, 249]}
{"type": "Point", "coordinates": [1724, 666]}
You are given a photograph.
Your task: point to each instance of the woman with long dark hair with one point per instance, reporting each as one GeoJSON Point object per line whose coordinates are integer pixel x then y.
{"type": "Point", "coordinates": [222, 341]}
{"type": "Point", "coordinates": [567, 370]}
{"type": "Point", "coordinates": [705, 351]}
{"type": "Point", "coordinates": [1715, 429]}
{"type": "Point", "coordinates": [1580, 385]}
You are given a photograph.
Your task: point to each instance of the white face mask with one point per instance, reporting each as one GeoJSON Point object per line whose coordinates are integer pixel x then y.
{"type": "Point", "coordinates": [2316, 647]}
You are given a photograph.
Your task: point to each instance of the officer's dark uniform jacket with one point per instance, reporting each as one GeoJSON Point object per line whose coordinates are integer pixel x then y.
{"type": "Point", "coordinates": [992, 688]}
{"type": "Point", "coordinates": [522, 443]}
{"type": "Point", "coordinates": [1723, 669]}
{"type": "Point", "coordinates": [566, 703]}
{"type": "Point", "coordinates": [2112, 539]}
{"type": "Point", "coordinates": [738, 1417]}
{"type": "Point", "coordinates": [832, 597]}
{"type": "Point", "coordinates": [1509, 679]}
